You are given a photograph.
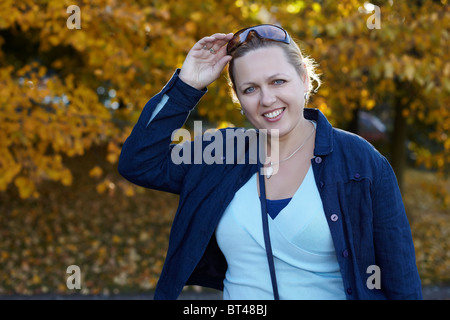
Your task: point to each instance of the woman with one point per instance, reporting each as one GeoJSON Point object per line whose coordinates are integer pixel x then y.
{"type": "Point", "coordinates": [337, 227]}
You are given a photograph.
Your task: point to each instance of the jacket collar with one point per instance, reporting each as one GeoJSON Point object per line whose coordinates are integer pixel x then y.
{"type": "Point", "coordinates": [324, 132]}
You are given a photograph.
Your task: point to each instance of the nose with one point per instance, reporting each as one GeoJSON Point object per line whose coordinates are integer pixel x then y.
{"type": "Point", "coordinates": [267, 98]}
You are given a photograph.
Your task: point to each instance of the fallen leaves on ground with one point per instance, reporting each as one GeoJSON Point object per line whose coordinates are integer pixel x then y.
{"type": "Point", "coordinates": [119, 242]}
{"type": "Point", "coordinates": [430, 225]}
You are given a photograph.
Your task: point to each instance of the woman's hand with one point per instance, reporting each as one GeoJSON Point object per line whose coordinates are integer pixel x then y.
{"type": "Point", "coordinates": [205, 61]}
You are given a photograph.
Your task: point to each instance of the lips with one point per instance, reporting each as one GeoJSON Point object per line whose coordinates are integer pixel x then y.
{"type": "Point", "coordinates": [274, 115]}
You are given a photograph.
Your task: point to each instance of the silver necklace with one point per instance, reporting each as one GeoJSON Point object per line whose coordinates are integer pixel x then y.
{"type": "Point", "coordinates": [269, 170]}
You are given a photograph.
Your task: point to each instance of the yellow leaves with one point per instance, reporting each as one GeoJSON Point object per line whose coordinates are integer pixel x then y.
{"type": "Point", "coordinates": [446, 140]}
{"type": "Point", "coordinates": [102, 252]}
{"type": "Point", "coordinates": [26, 188]}
{"type": "Point", "coordinates": [96, 172]}
{"type": "Point", "coordinates": [430, 234]}
{"type": "Point", "coordinates": [9, 13]}
{"type": "Point", "coordinates": [446, 70]}
{"type": "Point", "coordinates": [404, 67]}
{"type": "Point", "coordinates": [104, 185]}
{"type": "Point", "coordinates": [430, 224]}
{"type": "Point", "coordinates": [36, 279]}
{"type": "Point", "coordinates": [408, 66]}
{"type": "Point", "coordinates": [9, 168]}
{"type": "Point", "coordinates": [388, 70]}
{"type": "Point", "coordinates": [191, 27]}
{"type": "Point", "coordinates": [116, 239]}
{"type": "Point", "coordinates": [78, 40]}
{"type": "Point", "coordinates": [57, 64]}
{"type": "Point", "coordinates": [196, 16]}
{"type": "Point", "coordinates": [322, 105]}
{"type": "Point", "coordinates": [239, 3]}
{"type": "Point", "coordinates": [108, 186]}
{"type": "Point", "coordinates": [101, 236]}
{"type": "Point", "coordinates": [45, 167]}
{"type": "Point", "coordinates": [113, 152]}
{"type": "Point", "coordinates": [248, 9]}
{"type": "Point", "coordinates": [54, 40]}
{"type": "Point", "coordinates": [127, 188]}
{"type": "Point", "coordinates": [224, 124]}
{"type": "Point", "coordinates": [366, 100]}
{"type": "Point", "coordinates": [51, 167]}
{"type": "Point", "coordinates": [66, 177]}
{"type": "Point", "coordinates": [69, 82]}
{"type": "Point", "coordinates": [295, 7]}
{"type": "Point", "coordinates": [316, 7]}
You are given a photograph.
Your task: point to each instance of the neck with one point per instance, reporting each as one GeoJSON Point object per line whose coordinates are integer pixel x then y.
{"type": "Point", "coordinates": [290, 142]}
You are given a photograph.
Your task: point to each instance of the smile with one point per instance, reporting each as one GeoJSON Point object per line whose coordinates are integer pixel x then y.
{"type": "Point", "coordinates": [272, 115]}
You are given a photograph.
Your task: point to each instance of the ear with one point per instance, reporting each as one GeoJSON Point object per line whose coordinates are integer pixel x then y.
{"type": "Point", "coordinates": [305, 77]}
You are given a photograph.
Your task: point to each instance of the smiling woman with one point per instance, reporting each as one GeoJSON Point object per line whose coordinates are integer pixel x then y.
{"type": "Point", "coordinates": [311, 231]}
{"type": "Point", "coordinates": [271, 91]}
{"type": "Point", "coordinates": [293, 54]}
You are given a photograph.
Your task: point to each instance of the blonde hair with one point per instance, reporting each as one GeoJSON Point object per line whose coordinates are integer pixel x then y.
{"type": "Point", "coordinates": [293, 54]}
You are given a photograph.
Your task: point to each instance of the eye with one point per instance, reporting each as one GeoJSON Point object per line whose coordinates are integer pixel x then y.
{"type": "Point", "coordinates": [249, 90]}
{"type": "Point", "coordinates": [279, 81]}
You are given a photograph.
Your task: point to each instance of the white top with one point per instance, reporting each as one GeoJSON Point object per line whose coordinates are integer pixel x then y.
{"type": "Point", "coordinates": [305, 260]}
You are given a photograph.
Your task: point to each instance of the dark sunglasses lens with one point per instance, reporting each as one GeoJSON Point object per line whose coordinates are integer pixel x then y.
{"type": "Point", "coordinates": [237, 40]}
{"type": "Point", "coordinates": [271, 32]}
{"type": "Point", "coordinates": [265, 32]}
{"type": "Point", "coordinates": [232, 44]}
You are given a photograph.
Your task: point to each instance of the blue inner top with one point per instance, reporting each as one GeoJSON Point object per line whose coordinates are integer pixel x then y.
{"type": "Point", "coordinates": [303, 251]}
{"type": "Point", "coordinates": [275, 206]}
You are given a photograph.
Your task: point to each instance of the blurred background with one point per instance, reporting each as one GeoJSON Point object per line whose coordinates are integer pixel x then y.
{"type": "Point", "coordinates": [73, 83]}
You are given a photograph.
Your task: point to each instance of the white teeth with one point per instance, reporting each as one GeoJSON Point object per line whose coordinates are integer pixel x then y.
{"type": "Point", "coordinates": [273, 114]}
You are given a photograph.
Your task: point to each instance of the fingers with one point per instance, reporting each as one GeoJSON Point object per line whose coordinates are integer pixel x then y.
{"type": "Point", "coordinates": [214, 42]}
{"type": "Point", "coordinates": [218, 37]}
{"type": "Point", "coordinates": [223, 62]}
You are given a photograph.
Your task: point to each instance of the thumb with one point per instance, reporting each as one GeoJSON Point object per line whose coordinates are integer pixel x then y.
{"type": "Point", "coordinates": [223, 62]}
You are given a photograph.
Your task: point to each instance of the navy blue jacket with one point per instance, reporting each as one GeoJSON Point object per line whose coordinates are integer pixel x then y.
{"type": "Point", "coordinates": [358, 188]}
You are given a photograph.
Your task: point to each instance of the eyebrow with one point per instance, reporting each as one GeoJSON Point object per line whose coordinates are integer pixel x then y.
{"type": "Point", "coordinates": [276, 75]}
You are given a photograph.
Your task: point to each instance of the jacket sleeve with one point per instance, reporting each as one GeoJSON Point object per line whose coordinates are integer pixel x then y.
{"type": "Point", "coordinates": [145, 159]}
{"type": "Point", "coordinates": [394, 248]}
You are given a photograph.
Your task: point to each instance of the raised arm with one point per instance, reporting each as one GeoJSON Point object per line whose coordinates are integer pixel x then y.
{"type": "Point", "coordinates": [145, 159]}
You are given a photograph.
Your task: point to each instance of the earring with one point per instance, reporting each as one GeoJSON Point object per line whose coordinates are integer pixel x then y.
{"type": "Point", "coordinates": [242, 112]}
{"type": "Point", "coordinates": [305, 95]}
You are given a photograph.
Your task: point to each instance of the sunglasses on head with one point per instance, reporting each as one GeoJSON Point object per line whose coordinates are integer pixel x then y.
{"type": "Point", "coordinates": [263, 31]}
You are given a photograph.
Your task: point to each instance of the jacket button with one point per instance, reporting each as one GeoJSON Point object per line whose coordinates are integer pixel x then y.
{"type": "Point", "coordinates": [349, 290]}
{"type": "Point", "coordinates": [357, 175]}
{"type": "Point", "coordinates": [318, 160]}
{"type": "Point", "coordinates": [334, 217]}
{"type": "Point", "coordinates": [345, 253]}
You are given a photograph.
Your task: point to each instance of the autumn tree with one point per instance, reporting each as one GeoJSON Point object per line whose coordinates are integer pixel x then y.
{"type": "Point", "coordinates": [63, 91]}
{"type": "Point", "coordinates": [400, 69]}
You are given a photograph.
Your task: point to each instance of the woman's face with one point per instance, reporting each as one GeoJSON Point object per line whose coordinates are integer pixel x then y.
{"type": "Point", "coordinates": [270, 90]}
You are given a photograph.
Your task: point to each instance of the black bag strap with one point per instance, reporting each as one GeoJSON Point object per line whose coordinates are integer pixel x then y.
{"type": "Point", "coordinates": [265, 222]}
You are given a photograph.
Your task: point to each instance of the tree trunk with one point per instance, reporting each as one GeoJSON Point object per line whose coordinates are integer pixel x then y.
{"type": "Point", "coordinates": [353, 126]}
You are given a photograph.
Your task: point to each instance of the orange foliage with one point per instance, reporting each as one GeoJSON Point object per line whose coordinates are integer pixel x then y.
{"type": "Point", "coordinates": [64, 90]}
